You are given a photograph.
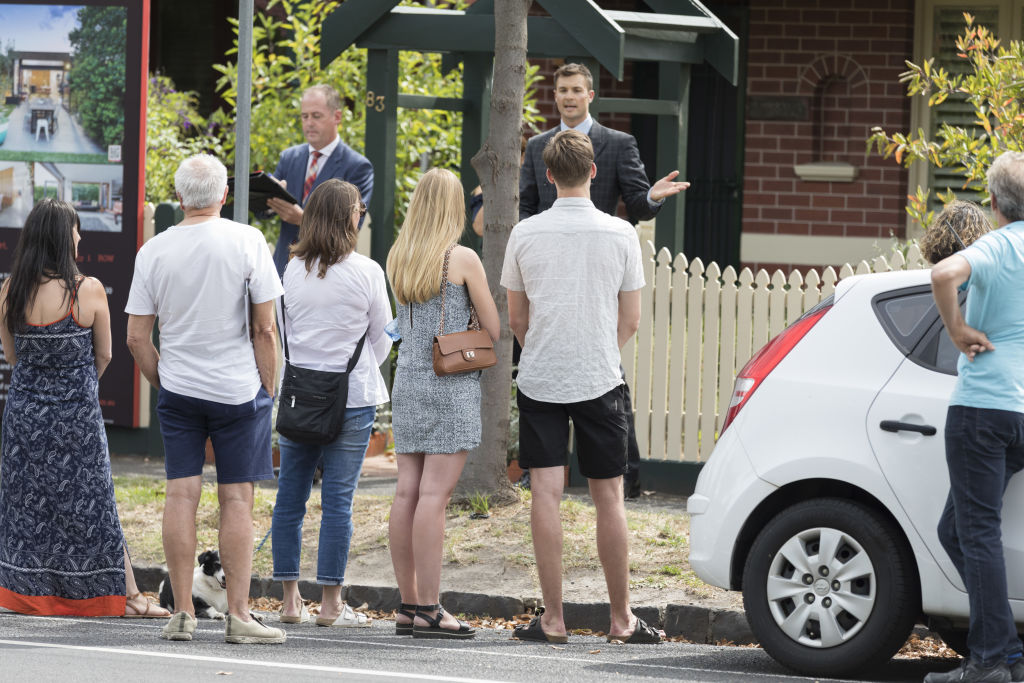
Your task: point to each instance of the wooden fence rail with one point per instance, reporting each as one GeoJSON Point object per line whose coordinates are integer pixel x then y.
{"type": "Point", "coordinates": [698, 326]}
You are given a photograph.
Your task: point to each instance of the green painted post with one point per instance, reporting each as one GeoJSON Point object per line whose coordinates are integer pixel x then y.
{"type": "Point", "coordinates": [674, 86]}
{"type": "Point", "coordinates": [381, 136]}
{"type": "Point", "coordinates": [476, 92]}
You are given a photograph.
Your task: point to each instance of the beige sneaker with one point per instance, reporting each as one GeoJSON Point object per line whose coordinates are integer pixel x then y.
{"type": "Point", "coordinates": [179, 627]}
{"type": "Point", "coordinates": [251, 632]}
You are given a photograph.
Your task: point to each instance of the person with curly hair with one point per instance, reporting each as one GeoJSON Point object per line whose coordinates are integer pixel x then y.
{"type": "Point", "coordinates": [956, 226]}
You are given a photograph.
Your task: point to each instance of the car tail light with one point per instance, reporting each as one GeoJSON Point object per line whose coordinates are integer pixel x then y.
{"type": "Point", "coordinates": [765, 360]}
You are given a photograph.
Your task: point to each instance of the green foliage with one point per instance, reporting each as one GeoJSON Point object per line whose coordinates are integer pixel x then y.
{"type": "Point", "coordinates": [480, 504]}
{"type": "Point", "coordinates": [286, 61]}
{"type": "Point", "coordinates": [6, 74]}
{"type": "Point", "coordinates": [97, 75]}
{"type": "Point", "coordinates": [993, 84]}
{"type": "Point", "coordinates": [174, 131]}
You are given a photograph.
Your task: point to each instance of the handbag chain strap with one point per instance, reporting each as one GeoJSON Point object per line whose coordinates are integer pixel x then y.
{"type": "Point", "coordinates": [474, 321]}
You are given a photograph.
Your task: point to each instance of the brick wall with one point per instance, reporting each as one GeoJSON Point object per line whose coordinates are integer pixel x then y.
{"type": "Point", "coordinates": [842, 59]}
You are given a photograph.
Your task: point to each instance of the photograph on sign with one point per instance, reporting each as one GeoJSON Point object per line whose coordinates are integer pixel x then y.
{"type": "Point", "coordinates": [62, 72]}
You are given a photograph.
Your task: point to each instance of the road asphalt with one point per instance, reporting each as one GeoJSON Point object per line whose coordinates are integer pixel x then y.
{"type": "Point", "coordinates": [101, 650]}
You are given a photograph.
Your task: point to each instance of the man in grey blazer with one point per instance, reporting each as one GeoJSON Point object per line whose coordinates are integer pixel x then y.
{"type": "Point", "coordinates": [620, 173]}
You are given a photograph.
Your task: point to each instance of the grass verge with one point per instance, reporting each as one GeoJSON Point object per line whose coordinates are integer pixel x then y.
{"type": "Point", "coordinates": [658, 540]}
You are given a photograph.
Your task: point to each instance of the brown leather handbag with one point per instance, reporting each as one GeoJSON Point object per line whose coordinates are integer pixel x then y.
{"type": "Point", "coordinates": [460, 352]}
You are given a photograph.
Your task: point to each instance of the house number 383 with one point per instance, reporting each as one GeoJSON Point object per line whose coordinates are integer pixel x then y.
{"type": "Point", "coordinates": [374, 101]}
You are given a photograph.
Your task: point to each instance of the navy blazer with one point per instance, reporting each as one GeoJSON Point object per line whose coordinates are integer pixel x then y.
{"type": "Point", "coordinates": [620, 173]}
{"type": "Point", "coordinates": [344, 164]}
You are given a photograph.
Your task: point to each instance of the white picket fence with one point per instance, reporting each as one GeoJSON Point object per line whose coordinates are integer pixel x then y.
{"type": "Point", "coordinates": [698, 327]}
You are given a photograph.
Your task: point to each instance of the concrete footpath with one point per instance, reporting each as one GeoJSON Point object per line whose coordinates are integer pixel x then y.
{"type": "Point", "coordinates": [695, 622]}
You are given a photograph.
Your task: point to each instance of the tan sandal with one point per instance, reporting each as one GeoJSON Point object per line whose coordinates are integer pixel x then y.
{"type": "Point", "coordinates": [152, 611]}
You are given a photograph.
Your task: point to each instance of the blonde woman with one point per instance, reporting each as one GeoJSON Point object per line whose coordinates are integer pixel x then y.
{"type": "Point", "coordinates": [436, 420]}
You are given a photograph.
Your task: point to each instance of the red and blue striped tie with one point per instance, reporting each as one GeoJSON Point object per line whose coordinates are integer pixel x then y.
{"type": "Point", "coordinates": [310, 176]}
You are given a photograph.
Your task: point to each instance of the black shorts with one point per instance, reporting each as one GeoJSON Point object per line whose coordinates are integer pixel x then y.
{"type": "Point", "coordinates": [600, 426]}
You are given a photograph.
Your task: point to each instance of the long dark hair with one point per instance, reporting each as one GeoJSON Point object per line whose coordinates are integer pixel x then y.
{"type": "Point", "coordinates": [45, 251]}
{"type": "Point", "coordinates": [326, 233]}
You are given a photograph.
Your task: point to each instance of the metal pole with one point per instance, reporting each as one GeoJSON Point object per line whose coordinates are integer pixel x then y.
{"type": "Point", "coordinates": [244, 105]}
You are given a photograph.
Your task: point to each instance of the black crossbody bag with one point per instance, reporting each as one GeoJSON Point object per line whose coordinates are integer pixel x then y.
{"type": "Point", "coordinates": [312, 405]}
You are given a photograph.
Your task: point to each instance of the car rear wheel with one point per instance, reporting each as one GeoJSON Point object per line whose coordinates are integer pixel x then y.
{"type": "Point", "coordinates": [829, 588]}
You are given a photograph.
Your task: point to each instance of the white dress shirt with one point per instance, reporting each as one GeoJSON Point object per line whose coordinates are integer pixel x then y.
{"type": "Point", "coordinates": [324, 319]}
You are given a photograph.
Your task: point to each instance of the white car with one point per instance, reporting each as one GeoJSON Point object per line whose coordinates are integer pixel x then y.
{"type": "Point", "coordinates": [822, 496]}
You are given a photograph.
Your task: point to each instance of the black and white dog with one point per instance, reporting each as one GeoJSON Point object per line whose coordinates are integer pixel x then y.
{"type": "Point", "coordinates": [209, 590]}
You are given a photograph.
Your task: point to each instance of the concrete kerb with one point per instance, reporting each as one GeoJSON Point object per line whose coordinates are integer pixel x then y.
{"type": "Point", "coordinates": [696, 624]}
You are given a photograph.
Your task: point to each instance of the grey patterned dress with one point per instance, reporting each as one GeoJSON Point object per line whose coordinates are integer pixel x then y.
{"type": "Point", "coordinates": [432, 414]}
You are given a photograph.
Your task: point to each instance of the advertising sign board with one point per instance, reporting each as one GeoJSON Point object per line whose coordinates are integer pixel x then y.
{"type": "Point", "coordinates": [72, 115]}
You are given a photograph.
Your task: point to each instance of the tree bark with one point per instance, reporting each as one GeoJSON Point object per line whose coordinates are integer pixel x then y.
{"type": "Point", "coordinates": [497, 166]}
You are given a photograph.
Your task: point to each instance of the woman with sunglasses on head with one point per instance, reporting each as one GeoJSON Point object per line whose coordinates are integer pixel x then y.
{"type": "Point", "coordinates": [332, 298]}
{"type": "Point", "coordinates": [954, 228]}
{"type": "Point", "coordinates": [62, 550]}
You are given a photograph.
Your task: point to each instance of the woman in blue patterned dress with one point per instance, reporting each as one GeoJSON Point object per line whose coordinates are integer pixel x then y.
{"type": "Point", "coordinates": [62, 550]}
{"type": "Point", "coordinates": [436, 420]}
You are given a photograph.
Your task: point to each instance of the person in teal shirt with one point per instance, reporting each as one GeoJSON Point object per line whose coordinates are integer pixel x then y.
{"type": "Point", "coordinates": [985, 421]}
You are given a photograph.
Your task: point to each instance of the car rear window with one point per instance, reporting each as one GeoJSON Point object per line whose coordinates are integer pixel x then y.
{"type": "Point", "coordinates": [913, 324]}
{"type": "Point", "coordinates": [906, 314]}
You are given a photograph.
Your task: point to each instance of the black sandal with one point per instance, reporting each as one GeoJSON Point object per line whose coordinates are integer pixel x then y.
{"type": "Point", "coordinates": [642, 635]}
{"type": "Point", "coordinates": [406, 610]}
{"type": "Point", "coordinates": [533, 631]}
{"type": "Point", "coordinates": [435, 630]}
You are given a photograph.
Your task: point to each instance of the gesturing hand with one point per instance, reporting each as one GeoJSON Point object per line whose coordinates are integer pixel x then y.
{"type": "Point", "coordinates": [666, 187]}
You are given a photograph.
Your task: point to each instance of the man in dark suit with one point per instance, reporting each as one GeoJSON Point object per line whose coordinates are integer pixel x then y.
{"type": "Point", "coordinates": [620, 173]}
{"type": "Point", "coordinates": [323, 156]}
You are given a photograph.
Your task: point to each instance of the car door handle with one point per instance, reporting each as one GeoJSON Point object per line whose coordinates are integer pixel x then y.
{"type": "Point", "coordinates": [897, 426]}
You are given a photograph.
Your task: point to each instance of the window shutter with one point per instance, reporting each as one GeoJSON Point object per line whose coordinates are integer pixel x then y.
{"type": "Point", "coordinates": [956, 111]}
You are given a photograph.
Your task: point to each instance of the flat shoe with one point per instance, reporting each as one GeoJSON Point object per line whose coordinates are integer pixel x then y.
{"type": "Point", "coordinates": [642, 635]}
{"type": "Point", "coordinates": [534, 632]}
{"type": "Point", "coordinates": [152, 611]}
{"type": "Point", "coordinates": [302, 618]}
{"type": "Point", "coordinates": [434, 630]}
{"type": "Point", "coordinates": [251, 632]}
{"type": "Point", "coordinates": [406, 610]}
{"type": "Point", "coordinates": [179, 627]}
{"type": "Point", "coordinates": [348, 618]}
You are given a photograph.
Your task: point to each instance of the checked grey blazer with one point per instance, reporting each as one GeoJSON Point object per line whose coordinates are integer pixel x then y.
{"type": "Point", "coordinates": [620, 173]}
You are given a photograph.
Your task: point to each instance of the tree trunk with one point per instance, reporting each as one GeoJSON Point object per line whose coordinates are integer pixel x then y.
{"type": "Point", "coordinates": [497, 165]}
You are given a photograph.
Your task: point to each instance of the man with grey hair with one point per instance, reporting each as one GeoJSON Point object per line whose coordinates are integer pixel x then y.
{"type": "Point", "coordinates": [985, 421]}
{"type": "Point", "coordinates": [323, 156]}
{"type": "Point", "coordinates": [212, 284]}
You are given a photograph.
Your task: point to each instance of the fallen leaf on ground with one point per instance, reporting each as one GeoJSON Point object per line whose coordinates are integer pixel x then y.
{"type": "Point", "coordinates": [555, 647]}
{"type": "Point", "coordinates": [594, 652]}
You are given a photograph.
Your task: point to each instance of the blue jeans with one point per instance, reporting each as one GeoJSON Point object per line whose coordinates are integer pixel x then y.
{"type": "Point", "coordinates": [984, 448]}
{"type": "Point", "coordinates": [343, 461]}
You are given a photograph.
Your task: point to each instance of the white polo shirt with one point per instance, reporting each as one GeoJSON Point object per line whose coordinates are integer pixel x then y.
{"type": "Point", "coordinates": [193, 278]}
{"type": "Point", "coordinates": [572, 261]}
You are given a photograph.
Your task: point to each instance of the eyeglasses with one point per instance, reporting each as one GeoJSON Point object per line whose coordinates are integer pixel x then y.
{"type": "Point", "coordinates": [361, 208]}
{"type": "Point", "coordinates": [956, 235]}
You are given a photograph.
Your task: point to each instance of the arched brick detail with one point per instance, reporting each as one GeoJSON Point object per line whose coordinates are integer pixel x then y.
{"type": "Point", "coordinates": [836, 66]}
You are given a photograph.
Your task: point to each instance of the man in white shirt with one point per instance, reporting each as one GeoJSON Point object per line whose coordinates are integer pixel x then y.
{"type": "Point", "coordinates": [212, 284]}
{"type": "Point", "coordinates": [573, 275]}
{"type": "Point", "coordinates": [620, 174]}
